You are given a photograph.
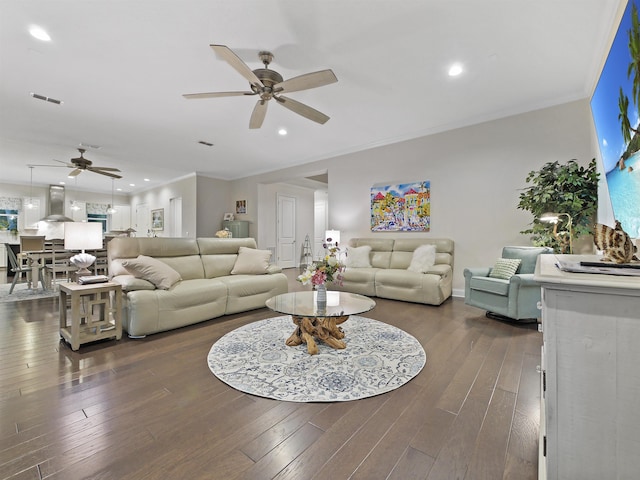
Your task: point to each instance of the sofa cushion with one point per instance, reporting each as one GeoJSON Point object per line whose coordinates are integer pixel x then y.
{"type": "Point", "coordinates": [358, 257]}
{"type": "Point", "coordinates": [424, 257]}
{"type": "Point", "coordinates": [130, 283]}
{"type": "Point", "coordinates": [251, 261]}
{"type": "Point", "coordinates": [152, 270]}
{"type": "Point", "coordinates": [490, 285]}
{"type": "Point", "coordinates": [505, 268]}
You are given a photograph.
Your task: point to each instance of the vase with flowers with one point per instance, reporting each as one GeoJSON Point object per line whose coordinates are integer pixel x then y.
{"type": "Point", "coordinates": [328, 269]}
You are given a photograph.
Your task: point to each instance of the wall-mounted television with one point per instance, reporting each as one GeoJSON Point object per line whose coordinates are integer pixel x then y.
{"type": "Point", "coordinates": [615, 106]}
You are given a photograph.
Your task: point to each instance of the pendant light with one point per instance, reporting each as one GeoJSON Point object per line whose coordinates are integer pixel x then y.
{"type": "Point", "coordinates": [30, 203]}
{"type": "Point", "coordinates": [111, 207]}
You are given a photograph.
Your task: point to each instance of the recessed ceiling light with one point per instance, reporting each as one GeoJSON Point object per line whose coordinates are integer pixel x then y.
{"type": "Point", "coordinates": [282, 131]}
{"type": "Point", "coordinates": [39, 33]}
{"type": "Point", "coordinates": [132, 184]}
{"type": "Point", "coordinates": [455, 70]}
{"type": "Point", "coordinates": [118, 189]}
{"type": "Point", "coordinates": [62, 183]}
{"type": "Point", "coordinates": [147, 179]}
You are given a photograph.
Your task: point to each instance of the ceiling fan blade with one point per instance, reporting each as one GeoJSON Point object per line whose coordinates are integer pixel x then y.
{"type": "Point", "coordinates": [259, 112]}
{"type": "Point", "coordinates": [232, 59]}
{"type": "Point", "coordinates": [306, 81]}
{"type": "Point", "coordinates": [46, 165]}
{"type": "Point", "coordinates": [75, 173]}
{"type": "Point", "coordinates": [66, 164]}
{"type": "Point", "coordinates": [112, 175]}
{"type": "Point", "coordinates": [109, 169]}
{"type": "Point", "coordinates": [302, 109]}
{"type": "Point", "coordinates": [216, 94]}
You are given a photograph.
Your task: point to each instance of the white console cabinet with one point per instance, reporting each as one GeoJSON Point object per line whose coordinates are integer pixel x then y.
{"type": "Point", "coordinates": [590, 405]}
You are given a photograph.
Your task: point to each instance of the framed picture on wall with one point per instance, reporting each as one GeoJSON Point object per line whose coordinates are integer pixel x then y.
{"type": "Point", "coordinates": [241, 206]}
{"type": "Point", "coordinates": [157, 219]}
{"type": "Point", "coordinates": [228, 217]}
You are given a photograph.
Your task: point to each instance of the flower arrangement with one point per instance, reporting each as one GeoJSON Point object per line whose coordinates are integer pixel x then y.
{"type": "Point", "coordinates": [223, 233]}
{"type": "Point", "coordinates": [329, 269]}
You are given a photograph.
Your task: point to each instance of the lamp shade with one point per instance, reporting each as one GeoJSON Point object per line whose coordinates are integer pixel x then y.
{"type": "Point", "coordinates": [82, 235]}
{"type": "Point", "coordinates": [549, 217]}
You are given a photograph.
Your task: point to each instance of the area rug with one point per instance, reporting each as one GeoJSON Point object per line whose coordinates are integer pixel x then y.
{"type": "Point", "coordinates": [378, 358]}
{"type": "Point", "coordinates": [21, 292]}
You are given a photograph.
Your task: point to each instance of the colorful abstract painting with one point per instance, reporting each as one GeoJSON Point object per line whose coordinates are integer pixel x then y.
{"type": "Point", "coordinates": [402, 207]}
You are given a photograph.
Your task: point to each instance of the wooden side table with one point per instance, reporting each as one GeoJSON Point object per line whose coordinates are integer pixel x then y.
{"type": "Point", "coordinates": [96, 312]}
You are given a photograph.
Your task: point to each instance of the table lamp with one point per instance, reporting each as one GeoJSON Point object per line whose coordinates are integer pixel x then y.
{"type": "Point", "coordinates": [82, 236]}
{"type": "Point", "coordinates": [332, 237]}
{"type": "Point", "coordinates": [552, 217]}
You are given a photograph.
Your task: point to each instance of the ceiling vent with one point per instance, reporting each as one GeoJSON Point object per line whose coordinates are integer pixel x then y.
{"type": "Point", "coordinates": [46, 99]}
{"type": "Point", "coordinates": [202, 142]}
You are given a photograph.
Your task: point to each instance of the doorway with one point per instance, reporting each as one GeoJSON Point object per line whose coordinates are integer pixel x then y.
{"type": "Point", "coordinates": [286, 231]}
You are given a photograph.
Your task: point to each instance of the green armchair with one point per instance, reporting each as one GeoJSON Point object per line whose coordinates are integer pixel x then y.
{"type": "Point", "coordinates": [515, 298]}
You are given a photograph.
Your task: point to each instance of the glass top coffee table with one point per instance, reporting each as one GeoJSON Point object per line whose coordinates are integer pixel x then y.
{"type": "Point", "coordinates": [319, 321]}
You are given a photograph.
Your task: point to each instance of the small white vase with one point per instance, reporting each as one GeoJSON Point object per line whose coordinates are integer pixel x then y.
{"type": "Point", "coordinates": [321, 296]}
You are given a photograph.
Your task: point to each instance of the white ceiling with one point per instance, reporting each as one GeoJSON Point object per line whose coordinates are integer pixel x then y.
{"type": "Point", "coordinates": [121, 67]}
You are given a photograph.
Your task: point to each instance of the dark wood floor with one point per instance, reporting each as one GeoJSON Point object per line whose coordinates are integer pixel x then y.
{"type": "Point", "coordinates": [151, 408]}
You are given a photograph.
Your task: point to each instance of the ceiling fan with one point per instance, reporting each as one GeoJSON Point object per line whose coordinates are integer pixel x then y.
{"type": "Point", "coordinates": [80, 164]}
{"type": "Point", "coordinates": [268, 84]}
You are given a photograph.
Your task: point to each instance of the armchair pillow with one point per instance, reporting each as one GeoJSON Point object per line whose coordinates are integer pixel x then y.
{"type": "Point", "coordinates": [505, 268]}
{"type": "Point", "coordinates": [251, 261]}
{"type": "Point", "coordinates": [155, 271]}
{"type": "Point", "coordinates": [358, 257]}
{"type": "Point", "coordinates": [424, 257]}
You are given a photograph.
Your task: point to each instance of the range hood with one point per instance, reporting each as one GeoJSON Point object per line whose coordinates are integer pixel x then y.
{"type": "Point", "coordinates": [55, 207]}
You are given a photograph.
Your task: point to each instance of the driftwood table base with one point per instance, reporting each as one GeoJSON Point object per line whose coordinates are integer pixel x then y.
{"type": "Point", "coordinates": [310, 329]}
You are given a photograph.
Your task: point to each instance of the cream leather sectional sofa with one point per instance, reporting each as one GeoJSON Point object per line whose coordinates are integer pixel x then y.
{"type": "Point", "coordinates": [172, 282]}
{"type": "Point", "coordinates": [389, 277]}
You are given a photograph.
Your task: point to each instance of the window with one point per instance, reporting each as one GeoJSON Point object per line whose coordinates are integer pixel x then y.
{"type": "Point", "coordinates": [98, 217]}
{"type": "Point", "coordinates": [8, 219]}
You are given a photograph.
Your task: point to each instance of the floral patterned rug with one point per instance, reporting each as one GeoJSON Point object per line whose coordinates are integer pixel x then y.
{"type": "Point", "coordinates": [254, 359]}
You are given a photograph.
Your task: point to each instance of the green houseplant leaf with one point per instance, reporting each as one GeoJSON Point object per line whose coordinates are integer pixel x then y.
{"type": "Point", "coordinates": [569, 188]}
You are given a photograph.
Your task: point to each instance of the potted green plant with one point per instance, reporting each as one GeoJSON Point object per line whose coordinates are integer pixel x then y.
{"type": "Point", "coordinates": [569, 189]}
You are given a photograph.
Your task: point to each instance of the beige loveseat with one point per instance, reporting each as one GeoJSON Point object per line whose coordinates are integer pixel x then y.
{"type": "Point", "coordinates": [388, 277]}
{"type": "Point", "coordinates": [215, 277]}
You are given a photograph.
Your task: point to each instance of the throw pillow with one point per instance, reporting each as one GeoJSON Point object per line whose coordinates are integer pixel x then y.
{"type": "Point", "coordinates": [424, 257]}
{"type": "Point", "coordinates": [153, 270]}
{"type": "Point", "coordinates": [251, 261]}
{"type": "Point", "coordinates": [358, 257]}
{"type": "Point", "coordinates": [505, 268]}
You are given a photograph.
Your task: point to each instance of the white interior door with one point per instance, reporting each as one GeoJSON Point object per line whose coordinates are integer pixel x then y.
{"type": "Point", "coordinates": [143, 223]}
{"type": "Point", "coordinates": [286, 231]}
{"type": "Point", "coordinates": [175, 207]}
{"type": "Point", "coordinates": [320, 224]}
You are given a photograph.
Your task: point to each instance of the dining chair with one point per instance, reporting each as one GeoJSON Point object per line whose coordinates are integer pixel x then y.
{"type": "Point", "coordinates": [59, 264]}
{"type": "Point", "coordinates": [31, 243]}
{"type": "Point", "coordinates": [18, 269]}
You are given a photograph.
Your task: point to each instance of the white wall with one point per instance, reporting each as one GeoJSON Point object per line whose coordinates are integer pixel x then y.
{"type": "Point", "coordinates": [160, 197]}
{"type": "Point", "coordinates": [211, 205]}
{"type": "Point", "coordinates": [476, 175]}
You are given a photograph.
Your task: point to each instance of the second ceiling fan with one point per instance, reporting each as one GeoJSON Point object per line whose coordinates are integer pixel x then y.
{"type": "Point", "coordinates": [268, 84]}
